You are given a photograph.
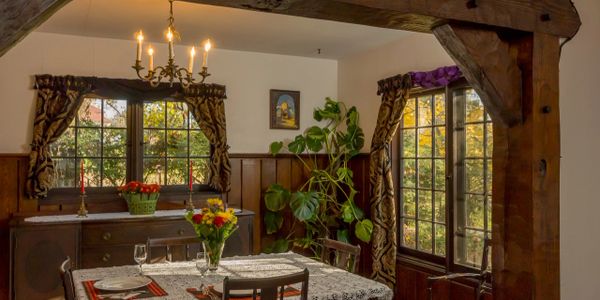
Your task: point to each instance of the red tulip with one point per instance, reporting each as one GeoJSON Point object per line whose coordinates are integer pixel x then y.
{"type": "Point", "coordinates": [219, 221]}
{"type": "Point", "coordinates": [197, 218]}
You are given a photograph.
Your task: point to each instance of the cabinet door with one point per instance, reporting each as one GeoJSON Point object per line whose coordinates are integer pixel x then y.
{"type": "Point", "coordinates": [240, 242]}
{"type": "Point", "coordinates": [37, 253]}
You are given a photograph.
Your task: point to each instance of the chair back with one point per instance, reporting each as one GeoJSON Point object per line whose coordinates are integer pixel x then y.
{"type": "Point", "coordinates": [178, 248]}
{"type": "Point", "coordinates": [67, 279]}
{"type": "Point", "coordinates": [271, 288]}
{"type": "Point", "coordinates": [345, 256]}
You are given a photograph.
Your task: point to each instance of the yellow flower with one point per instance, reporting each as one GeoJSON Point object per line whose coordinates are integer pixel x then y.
{"type": "Point", "coordinates": [215, 202]}
{"type": "Point", "coordinates": [225, 215]}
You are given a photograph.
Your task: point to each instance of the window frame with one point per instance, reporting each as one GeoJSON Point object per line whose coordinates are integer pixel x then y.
{"type": "Point", "coordinates": [414, 256]}
{"type": "Point", "coordinates": [134, 160]}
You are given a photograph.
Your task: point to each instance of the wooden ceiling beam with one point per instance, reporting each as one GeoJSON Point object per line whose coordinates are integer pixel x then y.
{"type": "Point", "coordinates": [19, 17]}
{"type": "Point", "coordinates": [489, 65]}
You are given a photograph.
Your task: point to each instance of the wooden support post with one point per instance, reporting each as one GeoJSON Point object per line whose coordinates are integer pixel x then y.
{"type": "Point", "coordinates": [526, 155]}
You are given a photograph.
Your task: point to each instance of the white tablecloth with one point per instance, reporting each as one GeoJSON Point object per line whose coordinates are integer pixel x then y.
{"type": "Point", "coordinates": [325, 282]}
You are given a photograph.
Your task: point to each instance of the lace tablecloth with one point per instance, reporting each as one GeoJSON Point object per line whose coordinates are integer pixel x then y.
{"type": "Point", "coordinates": [325, 282]}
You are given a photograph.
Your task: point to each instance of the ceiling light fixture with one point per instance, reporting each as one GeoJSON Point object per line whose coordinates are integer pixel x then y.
{"type": "Point", "coordinates": [171, 71]}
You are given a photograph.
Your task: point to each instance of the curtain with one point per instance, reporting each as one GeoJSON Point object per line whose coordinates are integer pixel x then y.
{"type": "Point", "coordinates": [58, 100]}
{"type": "Point", "coordinates": [394, 94]}
{"type": "Point", "coordinates": [208, 108]}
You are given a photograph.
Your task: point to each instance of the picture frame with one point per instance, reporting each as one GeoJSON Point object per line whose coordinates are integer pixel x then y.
{"type": "Point", "coordinates": [284, 107]}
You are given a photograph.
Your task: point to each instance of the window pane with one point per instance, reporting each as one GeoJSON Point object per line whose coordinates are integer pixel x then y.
{"type": "Point", "coordinates": [154, 142]}
{"type": "Point", "coordinates": [177, 115]}
{"type": "Point", "coordinates": [409, 173]}
{"type": "Point", "coordinates": [474, 107]}
{"type": "Point", "coordinates": [425, 173]}
{"type": "Point", "coordinates": [490, 140]}
{"type": "Point", "coordinates": [193, 123]}
{"type": "Point", "coordinates": [409, 147]}
{"type": "Point", "coordinates": [440, 109]}
{"type": "Point", "coordinates": [408, 233]}
{"type": "Point", "coordinates": [199, 144]}
{"type": "Point", "coordinates": [474, 247]}
{"type": "Point", "coordinates": [177, 171]}
{"type": "Point", "coordinates": [65, 172]}
{"type": "Point", "coordinates": [115, 113]}
{"type": "Point", "coordinates": [201, 170]}
{"type": "Point", "coordinates": [425, 238]}
{"type": "Point", "coordinates": [488, 179]}
{"type": "Point", "coordinates": [154, 114]}
{"type": "Point", "coordinates": [88, 142]}
{"type": "Point", "coordinates": [154, 170]}
{"type": "Point", "coordinates": [440, 207]}
{"type": "Point", "coordinates": [424, 142]}
{"type": "Point", "coordinates": [474, 142]}
{"type": "Point", "coordinates": [425, 211]}
{"type": "Point", "coordinates": [474, 211]}
{"type": "Point", "coordinates": [440, 174]}
{"type": "Point", "coordinates": [92, 169]}
{"type": "Point", "coordinates": [408, 114]}
{"type": "Point", "coordinates": [425, 113]}
{"type": "Point", "coordinates": [474, 175]}
{"type": "Point", "coordinates": [90, 113]}
{"type": "Point", "coordinates": [115, 172]}
{"type": "Point", "coordinates": [440, 240]}
{"type": "Point", "coordinates": [115, 143]}
{"type": "Point", "coordinates": [177, 143]}
{"type": "Point", "coordinates": [489, 213]}
{"type": "Point", "coordinates": [408, 202]}
{"type": "Point", "coordinates": [440, 141]}
{"type": "Point", "coordinates": [65, 145]}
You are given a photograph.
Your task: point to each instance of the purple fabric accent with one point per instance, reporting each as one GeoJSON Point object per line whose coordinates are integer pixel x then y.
{"type": "Point", "coordinates": [436, 78]}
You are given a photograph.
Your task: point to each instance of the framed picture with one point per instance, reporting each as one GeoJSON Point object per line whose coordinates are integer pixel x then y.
{"type": "Point", "coordinates": [285, 109]}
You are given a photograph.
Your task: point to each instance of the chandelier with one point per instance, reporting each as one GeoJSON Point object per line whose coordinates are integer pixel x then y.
{"type": "Point", "coordinates": [170, 72]}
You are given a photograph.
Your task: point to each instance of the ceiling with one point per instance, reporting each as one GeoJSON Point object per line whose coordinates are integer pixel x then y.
{"type": "Point", "coordinates": [229, 28]}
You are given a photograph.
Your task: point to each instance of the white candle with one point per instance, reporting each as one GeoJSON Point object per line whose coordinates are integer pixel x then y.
{"type": "Point", "coordinates": [191, 65]}
{"type": "Point", "coordinates": [207, 46]}
{"type": "Point", "coordinates": [140, 39]}
{"type": "Point", "coordinates": [150, 58]}
{"type": "Point", "coordinates": [170, 39]}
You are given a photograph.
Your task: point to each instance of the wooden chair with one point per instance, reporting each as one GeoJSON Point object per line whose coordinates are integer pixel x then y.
{"type": "Point", "coordinates": [483, 277]}
{"type": "Point", "coordinates": [270, 288]}
{"type": "Point", "coordinates": [67, 279]}
{"type": "Point", "coordinates": [345, 256]}
{"type": "Point", "coordinates": [168, 244]}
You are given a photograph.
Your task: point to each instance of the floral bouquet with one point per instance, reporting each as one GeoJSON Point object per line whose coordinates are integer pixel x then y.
{"type": "Point", "coordinates": [141, 198]}
{"type": "Point", "coordinates": [213, 225]}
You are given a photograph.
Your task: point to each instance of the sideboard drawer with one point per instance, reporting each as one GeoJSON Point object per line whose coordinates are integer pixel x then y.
{"type": "Point", "coordinates": [131, 233]}
{"type": "Point", "coordinates": [107, 256]}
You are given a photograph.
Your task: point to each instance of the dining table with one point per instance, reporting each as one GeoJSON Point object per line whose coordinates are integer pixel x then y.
{"type": "Point", "coordinates": [176, 280]}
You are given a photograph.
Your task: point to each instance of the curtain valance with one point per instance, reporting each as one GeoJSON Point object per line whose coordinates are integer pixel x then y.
{"type": "Point", "coordinates": [59, 99]}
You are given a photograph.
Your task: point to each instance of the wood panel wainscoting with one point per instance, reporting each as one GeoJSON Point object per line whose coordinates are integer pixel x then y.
{"type": "Point", "coordinates": [251, 175]}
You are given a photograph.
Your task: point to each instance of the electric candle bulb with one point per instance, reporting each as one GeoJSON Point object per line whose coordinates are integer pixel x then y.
{"type": "Point", "coordinates": [207, 46]}
{"type": "Point", "coordinates": [151, 58]}
{"type": "Point", "coordinates": [191, 65]}
{"type": "Point", "coordinates": [140, 39]}
{"type": "Point", "coordinates": [170, 38]}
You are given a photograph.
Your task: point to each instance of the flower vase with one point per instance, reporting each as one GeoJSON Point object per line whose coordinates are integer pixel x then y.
{"type": "Point", "coordinates": [213, 251]}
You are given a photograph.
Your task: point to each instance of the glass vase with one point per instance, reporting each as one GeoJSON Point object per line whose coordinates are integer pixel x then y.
{"type": "Point", "coordinates": [213, 251]}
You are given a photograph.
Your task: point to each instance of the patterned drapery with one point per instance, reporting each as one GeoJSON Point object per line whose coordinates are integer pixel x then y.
{"type": "Point", "coordinates": [58, 100]}
{"type": "Point", "coordinates": [207, 105]}
{"type": "Point", "coordinates": [394, 93]}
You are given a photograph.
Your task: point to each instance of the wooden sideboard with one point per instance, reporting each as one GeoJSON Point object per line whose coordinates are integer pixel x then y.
{"type": "Point", "coordinates": [38, 248]}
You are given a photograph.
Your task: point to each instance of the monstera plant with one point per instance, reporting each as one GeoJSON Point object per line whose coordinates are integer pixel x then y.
{"type": "Point", "coordinates": [324, 205]}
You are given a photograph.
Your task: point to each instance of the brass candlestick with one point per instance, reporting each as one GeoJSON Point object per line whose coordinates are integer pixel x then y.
{"type": "Point", "coordinates": [82, 212]}
{"type": "Point", "coordinates": [190, 203]}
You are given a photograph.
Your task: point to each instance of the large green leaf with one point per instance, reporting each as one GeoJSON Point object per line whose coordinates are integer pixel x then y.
{"type": "Point", "coordinates": [351, 212]}
{"type": "Point", "coordinates": [315, 138]}
{"type": "Point", "coordinates": [304, 205]}
{"type": "Point", "coordinates": [344, 174]}
{"type": "Point", "coordinates": [330, 111]}
{"type": "Point", "coordinates": [280, 246]}
{"type": "Point", "coordinates": [298, 145]}
{"type": "Point", "coordinates": [273, 221]}
{"type": "Point", "coordinates": [276, 197]}
{"type": "Point", "coordinates": [352, 117]}
{"type": "Point", "coordinates": [343, 236]}
{"type": "Point", "coordinates": [275, 147]}
{"type": "Point", "coordinates": [363, 230]}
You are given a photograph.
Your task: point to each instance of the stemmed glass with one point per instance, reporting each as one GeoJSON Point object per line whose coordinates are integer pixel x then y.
{"type": "Point", "coordinates": [201, 264]}
{"type": "Point", "coordinates": [140, 255]}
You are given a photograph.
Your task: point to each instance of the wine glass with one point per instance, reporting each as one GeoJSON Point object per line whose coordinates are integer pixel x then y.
{"type": "Point", "coordinates": [201, 264]}
{"type": "Point", "coordinates": [140, 255]}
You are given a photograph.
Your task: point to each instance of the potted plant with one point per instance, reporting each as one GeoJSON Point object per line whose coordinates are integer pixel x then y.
{"type": "Point", "coordinates": [324, 204]}
{"type": "Point", "coordinates": [213, 225]}
{"type": "Point", "coordinates": [141, 198]}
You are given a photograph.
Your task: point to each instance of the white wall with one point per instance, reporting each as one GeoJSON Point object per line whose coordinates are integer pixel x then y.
{"type": "Point", "coordinates": [580, 132]}
{"type": "Point", "coordinates": [247, 75]}
{"type": "Point", "coordinates": [580, 168]}
{"type": "Point", "coordinates": [358, 74]}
